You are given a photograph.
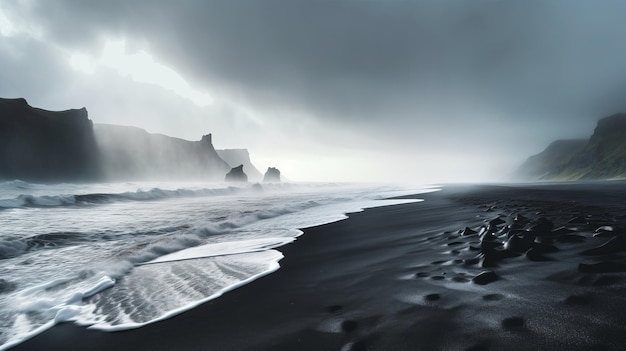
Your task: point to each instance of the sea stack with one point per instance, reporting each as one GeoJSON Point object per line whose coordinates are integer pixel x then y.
{"type": "Point", "coordinates": [272, 175]}
{"type": "Point", "coordinates": [236, 157]}
{"type": "Point", "coordinates": [236, 175]}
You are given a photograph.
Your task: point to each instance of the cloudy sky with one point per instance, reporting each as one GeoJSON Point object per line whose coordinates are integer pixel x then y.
{"type": "Point", "coordinates": [367, 90]}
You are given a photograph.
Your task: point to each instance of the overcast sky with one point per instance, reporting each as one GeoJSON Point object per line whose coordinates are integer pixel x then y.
{"type": "Point", "coordinates": [341, 90]}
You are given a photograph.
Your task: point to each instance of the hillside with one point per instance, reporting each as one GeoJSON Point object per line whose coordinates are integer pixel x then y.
{"type": "Point", "coordinates": [603, 156]}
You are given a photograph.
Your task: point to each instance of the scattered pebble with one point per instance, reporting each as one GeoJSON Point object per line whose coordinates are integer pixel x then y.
{"type": "Point", "coordinates": [485, 278]}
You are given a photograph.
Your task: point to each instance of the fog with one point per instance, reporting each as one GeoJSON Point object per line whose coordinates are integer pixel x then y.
{"type": "Point", "coordinates": [330, 90]}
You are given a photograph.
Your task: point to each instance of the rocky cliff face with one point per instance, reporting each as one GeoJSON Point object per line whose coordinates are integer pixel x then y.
{"type": "Point", "coordinates": [40, 145]}
{"type": "Point", "coordinates": [236, 157]}
{"type": "Point", "coordinates": [272, 175]}
{"type": "Point", "coordinates": [47, 146]}
{"type": "Point", "coordinates": [236, 174]}
{"type": "Point", "coordinates": [132, 153]}
{"type": "Point", "coordinates": [603, 156]}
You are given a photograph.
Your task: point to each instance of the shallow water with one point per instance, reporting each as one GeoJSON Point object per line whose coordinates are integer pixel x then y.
{"type": "Point", "coordinates": [116, 256]}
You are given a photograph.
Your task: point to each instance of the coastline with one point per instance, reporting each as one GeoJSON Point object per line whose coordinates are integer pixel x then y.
{"type": "Point", "coordinates": [386, 278]}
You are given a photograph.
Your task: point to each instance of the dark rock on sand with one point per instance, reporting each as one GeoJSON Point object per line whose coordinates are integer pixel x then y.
{"type": "Point", "coordinates": [485, 278]}
{"type": "Point", "coordinates": [236, 175]}
{"type": "Point", "coordinates": [542, 225]}
{"type": "Point", "coordinates": [490, 244]}
{"type": "Point", "coordinates": [602, 267]}
{"type": "Point", "coordinates": [471, 261]}
{"type": "Point", "coordinates": [432, 297]}
{"type": "Point", "coordinates": [513, 323]}
{"type": "Point", "coordinates": [520, 218]}
{"type": "Point", "coordinates": [272, 175]}
{"type": "Point", "coordinates": [348, 326]}
{"type": "Point", "coordinates": [518, 243]}
{"type": "Point", "coordinates": [468, 231]}
{"type": "Point", "coordinates": [496, 221]}
{"type": "Point", "coordinates": [617, 244]}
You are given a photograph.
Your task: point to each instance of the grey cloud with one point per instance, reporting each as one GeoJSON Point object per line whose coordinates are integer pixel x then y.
{"type": "Point", "coordinates": [504, 74]}
{"type": "Point", "coordinates": [367, 59]}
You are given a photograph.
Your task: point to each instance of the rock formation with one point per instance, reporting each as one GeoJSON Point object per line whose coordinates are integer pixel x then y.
{"type": "Point", "coordinates": [236, 157]}
{"type": "Point", "coordinates": [40, 145]}
{"type": "Point", "coordinates": [46, 146]}
{"type": "Point", "coordinates": [130, 153]}
{"type": "Point", "coordinates": [272, 175]}
{"type": "Point", "coordinates": [236, 174]}
{"type": "Point", "coordinates": [603, 156]}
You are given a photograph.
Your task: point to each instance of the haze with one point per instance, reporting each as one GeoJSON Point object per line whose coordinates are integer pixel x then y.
{"type": "Point", "coordinates": [330, 90]}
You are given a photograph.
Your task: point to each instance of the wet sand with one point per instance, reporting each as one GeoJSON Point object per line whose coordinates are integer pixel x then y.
{"type": "Point", "coordinates": [520, 267]}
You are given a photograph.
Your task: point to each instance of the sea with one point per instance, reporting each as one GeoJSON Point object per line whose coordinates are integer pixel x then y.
{"type": "Point", "coordinates": [118, 256]}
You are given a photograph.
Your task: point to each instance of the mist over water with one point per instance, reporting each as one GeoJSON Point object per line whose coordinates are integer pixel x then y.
{"type": "Point", "coordinates": [119, 255]}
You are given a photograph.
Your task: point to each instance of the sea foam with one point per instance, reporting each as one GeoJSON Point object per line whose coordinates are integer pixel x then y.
{"type": "Point", "coordinates": [113, 258]}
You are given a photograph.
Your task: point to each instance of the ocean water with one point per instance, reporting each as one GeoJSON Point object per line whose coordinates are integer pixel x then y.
{"type": "Point", "coordinates": [118, 256]}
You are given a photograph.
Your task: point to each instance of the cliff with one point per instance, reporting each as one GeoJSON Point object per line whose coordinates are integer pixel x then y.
{"type": "Point", "coordinates": [236, 157]}
{"type": "Point", "coordinates": [603, 156]}
{"type": "Point", "coordinates": [130, 153]}
{"type": "Point", "coordinates": [40, 145]}
{"type": "Point", "coordinates": [48, 146]}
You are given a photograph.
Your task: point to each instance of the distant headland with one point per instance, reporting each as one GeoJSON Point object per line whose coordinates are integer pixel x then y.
{"type": "Point", "coordinates": [603, 156]}
{"type": "Point", "coordinates": [59, 146]}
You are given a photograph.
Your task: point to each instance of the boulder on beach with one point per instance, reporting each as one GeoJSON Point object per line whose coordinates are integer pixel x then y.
{"type": "Point", "coordinates": [272, 175]}
{"type": "Point", "coordinates": [236, 175]}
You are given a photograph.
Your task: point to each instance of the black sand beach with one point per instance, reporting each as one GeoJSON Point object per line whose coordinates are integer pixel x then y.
{"type": "Point", "coordinates": [408, 277]}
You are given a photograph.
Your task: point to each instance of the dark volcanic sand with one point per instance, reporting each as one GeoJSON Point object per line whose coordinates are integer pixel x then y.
{"type": "Point", "coordinates": [405, 278]}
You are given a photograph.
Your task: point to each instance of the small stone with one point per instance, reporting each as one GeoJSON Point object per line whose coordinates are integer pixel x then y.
{"type": "Point", "coordinates": [468, 231]}
{"type": "Point", "coordinates": [485, 278]}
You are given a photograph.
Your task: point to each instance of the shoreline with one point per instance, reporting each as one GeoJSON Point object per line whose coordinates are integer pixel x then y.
{"type": "Point", "coordinates": [376, 280]}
